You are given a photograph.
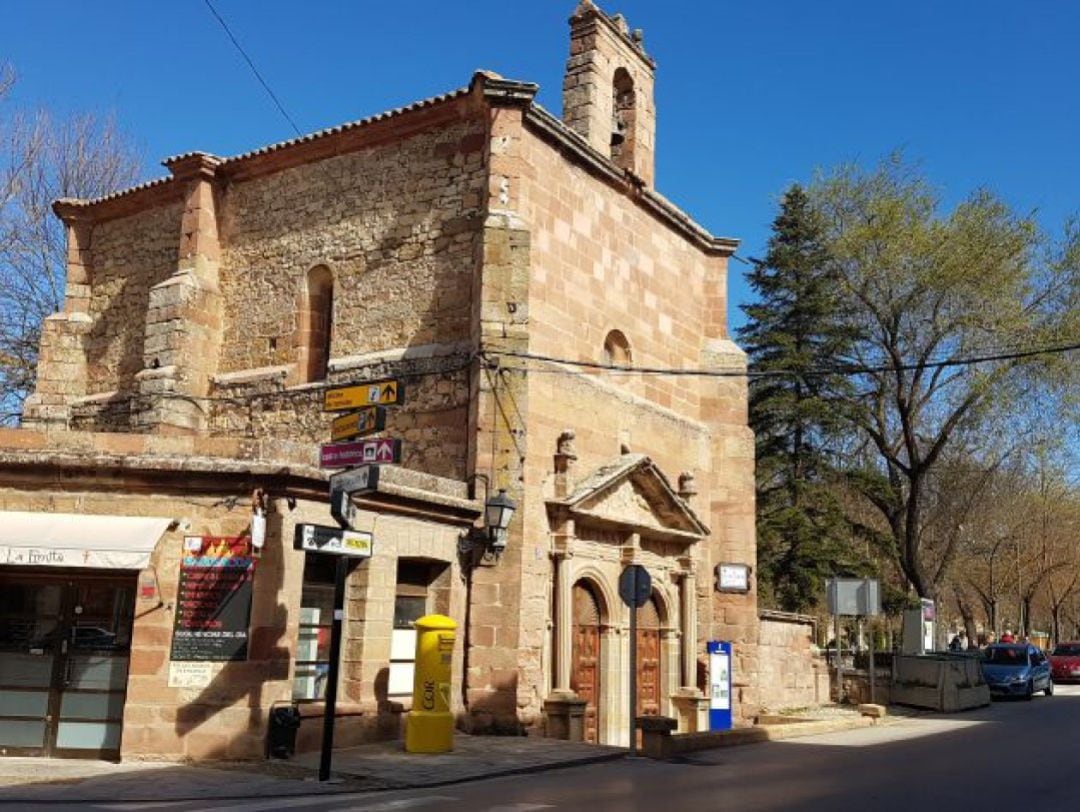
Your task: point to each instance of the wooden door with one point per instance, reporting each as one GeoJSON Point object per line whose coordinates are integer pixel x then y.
{"type": "Point", "coordinates": [648, 660]}
{"type": "Point", "coordinates": [585, 659]}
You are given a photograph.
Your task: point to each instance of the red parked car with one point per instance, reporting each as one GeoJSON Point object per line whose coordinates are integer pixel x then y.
{"type": "Point", "coordinates": [1065, 662]}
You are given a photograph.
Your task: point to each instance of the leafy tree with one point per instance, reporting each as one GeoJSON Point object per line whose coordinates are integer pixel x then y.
{"type": "Point", "coordinates": [925, 292]}
{"type": "Point", "coordinates": [43, 158]}
{"type": "Point", "coordinates": [791, 331]}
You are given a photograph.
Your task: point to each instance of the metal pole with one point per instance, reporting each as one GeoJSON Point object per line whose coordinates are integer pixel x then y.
{"type": "Point", "coordinates": [332, 675]}
{"type": "Point", "coordinates": [633, 668]}
{"type": "Point", "coordinates": [839, 664]}
{"type": "Point", "coordinates": [873, 647]}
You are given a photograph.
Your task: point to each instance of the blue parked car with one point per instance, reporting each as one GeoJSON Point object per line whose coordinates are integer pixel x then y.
{"type": "Point", "coordinates": [1016, 670]}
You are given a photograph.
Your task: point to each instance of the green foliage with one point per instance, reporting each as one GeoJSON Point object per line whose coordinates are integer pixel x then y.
{"type": "Point", "coordinates": [925, 291]}
{"type": "Point", "coordinates": [791, 331]}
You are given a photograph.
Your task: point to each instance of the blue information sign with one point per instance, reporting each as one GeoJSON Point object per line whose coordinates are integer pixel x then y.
{"type": "Point", "coordinates": [720, 699]}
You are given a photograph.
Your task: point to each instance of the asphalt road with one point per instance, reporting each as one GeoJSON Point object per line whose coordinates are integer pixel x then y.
{"type": "Point", "coordinates": [1014, 755]}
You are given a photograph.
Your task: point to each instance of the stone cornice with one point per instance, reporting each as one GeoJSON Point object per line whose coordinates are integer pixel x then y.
{"type": "Point", "coordinates": [499, 91]}
{"type": "Point", "coordinates": [193, 165]}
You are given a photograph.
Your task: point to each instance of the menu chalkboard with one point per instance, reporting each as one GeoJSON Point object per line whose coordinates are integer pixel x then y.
{"type": "Point", "coordinates": [213, 603]}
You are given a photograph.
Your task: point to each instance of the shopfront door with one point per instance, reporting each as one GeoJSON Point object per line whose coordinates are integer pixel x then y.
{"type": "Point", "coordinates": [65, 642]}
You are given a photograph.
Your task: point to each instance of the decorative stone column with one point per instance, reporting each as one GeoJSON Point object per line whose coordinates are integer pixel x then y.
{"type": "Point", "coordinates": [688, 610]}
{"type": "Point", "coordinates": [563, 710]}
{"type": "Point", "coordinates": [563, 618]}
{"type": "Point", "coordinates": [691, 705]}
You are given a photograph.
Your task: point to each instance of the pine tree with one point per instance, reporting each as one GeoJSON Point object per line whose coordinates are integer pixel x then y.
{"type": "Point", "coordinates": [791, 330]}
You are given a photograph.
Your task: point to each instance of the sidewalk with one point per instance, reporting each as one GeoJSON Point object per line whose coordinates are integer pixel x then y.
{"type": "Point", "coordinates": [370, 767]}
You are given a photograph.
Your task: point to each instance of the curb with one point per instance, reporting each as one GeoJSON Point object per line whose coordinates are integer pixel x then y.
{"type": "Point", "coordinates": [387, 787]}
{"type": "Point", "coordinates": [681, 744]}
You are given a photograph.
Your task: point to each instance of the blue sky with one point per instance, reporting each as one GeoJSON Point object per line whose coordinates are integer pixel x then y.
{"type": "Point", "coordinates": [751, 96]}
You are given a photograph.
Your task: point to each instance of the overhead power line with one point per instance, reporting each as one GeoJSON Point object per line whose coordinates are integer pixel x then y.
{"type": "Point", "coordinates": [243, 53]}
{"type": "Point", "coordinates": [839, 369]}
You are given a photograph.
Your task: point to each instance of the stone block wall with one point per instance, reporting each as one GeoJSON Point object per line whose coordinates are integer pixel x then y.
{"type": "Point", "coordinates": [395, 224]}
{"type": "Point", "coordinates": [791, 674]}
{"type": "Point", "coordinates": [227, 718]}
{"type": "Point", "coordinates": [602, 262]}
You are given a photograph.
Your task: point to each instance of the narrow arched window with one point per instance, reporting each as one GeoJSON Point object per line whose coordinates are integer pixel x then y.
{"type": "Point", "coordinates": [316, 324]}
{"type": "Point", "coordinates": [617, 349]}
{"type": "Point", "coordinates": [622, 123]}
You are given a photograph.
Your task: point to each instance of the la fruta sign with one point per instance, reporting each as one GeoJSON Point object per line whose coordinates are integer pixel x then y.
{"type": "Point", "coordinates": [356, 396]}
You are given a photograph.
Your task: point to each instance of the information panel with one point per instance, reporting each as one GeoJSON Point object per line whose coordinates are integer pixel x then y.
{"type": "Point", "coordinates": [213, 603]}
{"type": "Point", "coordinates": [720, 704]}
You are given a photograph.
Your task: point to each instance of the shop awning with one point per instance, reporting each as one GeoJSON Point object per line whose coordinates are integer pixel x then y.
{"type": "Point", "coordinates": [78, 540]}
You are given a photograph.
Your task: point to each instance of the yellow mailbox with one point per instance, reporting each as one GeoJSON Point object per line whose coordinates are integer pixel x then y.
{"type": "Point", "coordinates": [430, 725]}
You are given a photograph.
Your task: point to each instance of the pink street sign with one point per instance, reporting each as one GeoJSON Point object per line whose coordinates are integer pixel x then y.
{"type": "Point", "coordinates": [382, 451]}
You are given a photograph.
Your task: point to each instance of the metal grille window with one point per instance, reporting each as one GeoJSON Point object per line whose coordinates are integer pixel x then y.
{"type": "Point", "coordinates": [316, 616]}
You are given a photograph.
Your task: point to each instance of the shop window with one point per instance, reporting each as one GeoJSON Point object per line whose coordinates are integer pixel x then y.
{"type": "Point", "coordinates": [316, 616]}
{"type": "Point", "coordinates": [417, 594]}
{"type": "Point", "coordinates": [316, 324]}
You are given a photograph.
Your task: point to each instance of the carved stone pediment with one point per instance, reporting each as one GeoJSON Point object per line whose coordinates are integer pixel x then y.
{"type": "Point", "coordinates": [631, 493]}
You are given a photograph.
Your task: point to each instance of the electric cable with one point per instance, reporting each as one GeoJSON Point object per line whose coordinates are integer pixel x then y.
{"type": "Point", "coordinates": [251, 64]}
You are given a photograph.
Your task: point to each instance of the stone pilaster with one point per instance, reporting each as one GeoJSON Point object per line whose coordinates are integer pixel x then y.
{"type": "Point", "coordinates": [61, 365]}
{"type": "Point", "coordinates": [564, 608]}
{"type": "Point", "coordinates": [501, 674]}
{"type": "Point", "coordinates": [184, 318]}
{"type": "Point", "coordinates": [688, 610]}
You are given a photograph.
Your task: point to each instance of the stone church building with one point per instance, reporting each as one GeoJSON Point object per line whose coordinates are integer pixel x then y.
{"type": "Point", "coordinates": [522, 278]}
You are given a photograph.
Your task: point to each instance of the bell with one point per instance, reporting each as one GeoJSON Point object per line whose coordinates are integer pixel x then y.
{"type": "Point", "coordinates": [617, 136]}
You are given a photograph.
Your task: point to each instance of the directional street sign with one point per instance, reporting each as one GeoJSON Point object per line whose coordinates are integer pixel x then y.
{"type": "Point", "coordinates": [356, 482]}
{"type": "Point", "coordinates": [354, 396]}
{"type": "Point", "coordinates": [346, 484]}
{"type": "Point", "coordinates": [358, 424]}
{"type": "Point", "coordinates": [319, 538]}
{"type": "Point", "coordinates": [383, 451]}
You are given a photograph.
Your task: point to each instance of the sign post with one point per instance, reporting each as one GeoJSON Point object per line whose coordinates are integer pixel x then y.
{"type": "Point", "coordinates": [368, 399]}
{"type": "Point", "coordinates": [635, 587]}
{"type": "Point", "coordinates": [332, 677]}
{"type": "Point", "coordinates": [345, 544]}
{"type": "Point", "coordinates": [860, 597]}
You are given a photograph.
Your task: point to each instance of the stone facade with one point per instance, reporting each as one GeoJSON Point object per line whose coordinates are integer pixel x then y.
{"type": "Point", "coordinates": [519, 275]}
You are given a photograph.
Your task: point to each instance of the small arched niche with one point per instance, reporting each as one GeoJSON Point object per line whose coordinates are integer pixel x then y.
{"type": "Point", "coordinates": [617, 349]}
{"type": "Point", "coordinates": [316, 324]}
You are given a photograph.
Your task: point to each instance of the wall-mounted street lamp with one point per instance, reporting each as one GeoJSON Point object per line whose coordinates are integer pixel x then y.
{"type": "Point", "coordinates": [498, 511]}
{"type": "Point", "coordinates": [492, 539]}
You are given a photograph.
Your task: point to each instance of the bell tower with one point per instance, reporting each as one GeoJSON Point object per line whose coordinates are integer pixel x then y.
{"type": "Point", "coordinates": [608, 90]}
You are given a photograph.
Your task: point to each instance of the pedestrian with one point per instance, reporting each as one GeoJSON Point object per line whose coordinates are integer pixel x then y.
{"type": "Point", "coordinates": [954, 644]}
{"type": "Point", "coordinates": [1008, 637]}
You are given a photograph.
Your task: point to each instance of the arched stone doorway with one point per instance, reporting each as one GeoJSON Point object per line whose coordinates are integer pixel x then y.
{"type": "Point", "coordinates": [585, 656]}
{"type": "Point", "coordinates": [649, 659]}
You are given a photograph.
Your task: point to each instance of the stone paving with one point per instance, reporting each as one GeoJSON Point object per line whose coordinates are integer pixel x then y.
{"type": "Point", "coordinates": [370, 767]}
